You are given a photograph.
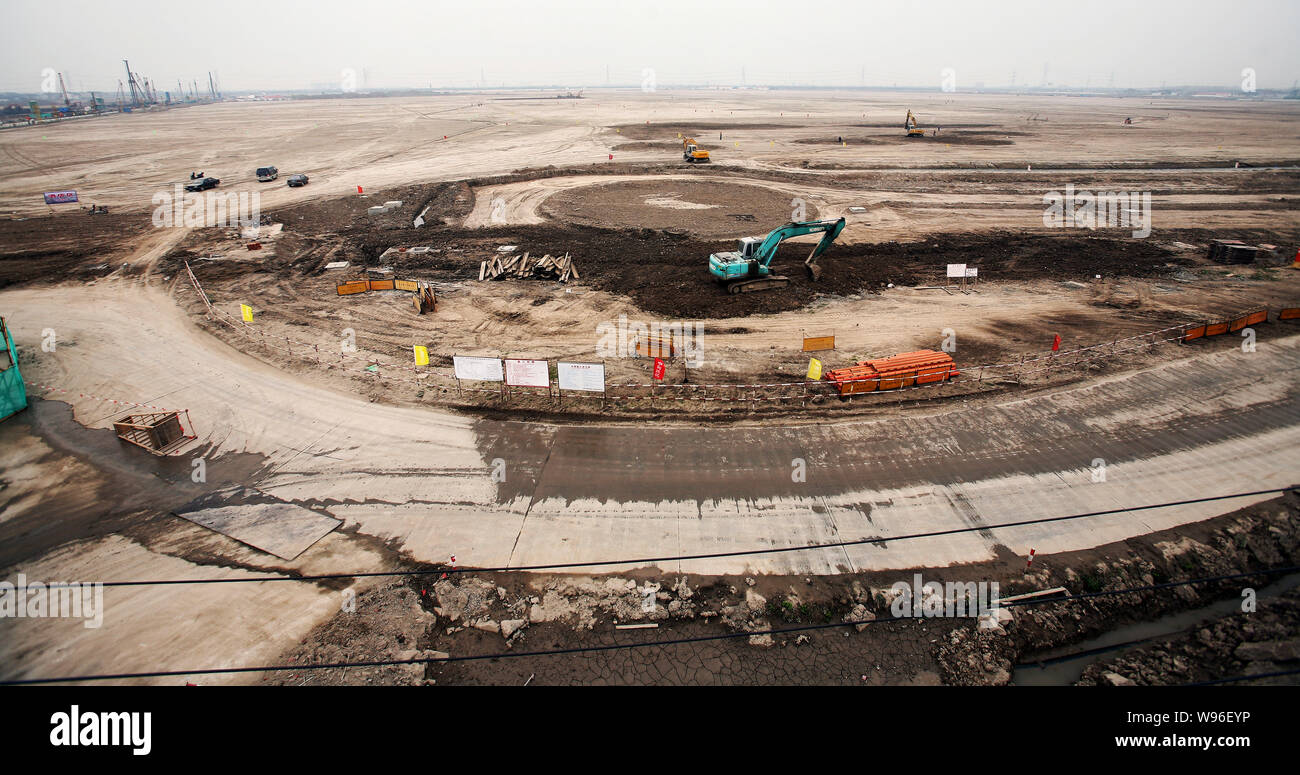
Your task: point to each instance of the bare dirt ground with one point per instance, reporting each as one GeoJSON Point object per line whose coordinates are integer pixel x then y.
{"type": "Point", "coordinates": [411, 483]}
{"type": "Point", "coordinates": [705, 209]}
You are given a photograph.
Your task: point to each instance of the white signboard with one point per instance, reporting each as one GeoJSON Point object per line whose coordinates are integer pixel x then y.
{"type": "Point", "coordinates": [483, 369]}
{"type": "Point", "coordinates": [972, 271]}
{"type": "Point", "coordinates": [582, 376]}
{"type": "Point", "coordinates": [956, 270]}
{"type": "Point", "coordinates": [525, 373]}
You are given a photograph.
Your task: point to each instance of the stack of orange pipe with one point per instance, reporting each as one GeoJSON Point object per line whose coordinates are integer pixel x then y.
{"type": "Point", "coordinates": [897, 371]}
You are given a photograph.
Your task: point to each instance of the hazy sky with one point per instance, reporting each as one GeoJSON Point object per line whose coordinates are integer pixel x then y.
{"type": "Point", "coordinates": [286, 44]}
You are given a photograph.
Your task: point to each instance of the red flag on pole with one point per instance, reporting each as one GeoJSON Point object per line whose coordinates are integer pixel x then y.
{"type": "Point", "coordinates": [660, 368]}
{"type": "Point", "coordinates": [1056, 343]}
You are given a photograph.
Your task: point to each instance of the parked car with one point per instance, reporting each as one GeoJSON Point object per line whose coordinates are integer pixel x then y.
{"type": "Point", "coordinates": [297, 180]}
{"type": "Point", "coordinates": [267, 174]}
{"type": "Point", "coordinates": [202, 184]}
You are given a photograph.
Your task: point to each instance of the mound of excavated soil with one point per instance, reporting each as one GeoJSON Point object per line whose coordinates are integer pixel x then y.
{"type": "Point", "coordinates": [667, 273]}
{"type": "Point", "coordinates": [68, 245]}
{"type": "Point", "coordinates": [706, 209]}
{"type": "Point", "coordinates": [965, 137]}
{"type": "Point", "coordinates": [856, 139]}
{"type": "Point", "coordinates": [700, 131]}
{"type": "Point", "coordinates": [648, 146]}
{"type": "Point", "coordinates": [899, 125]}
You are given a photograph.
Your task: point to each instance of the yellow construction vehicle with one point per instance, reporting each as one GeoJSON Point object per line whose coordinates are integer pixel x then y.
{"type": "Point", "coordinates": [692, 153]}
{"type": "Point", "coordinates": [910, 125]}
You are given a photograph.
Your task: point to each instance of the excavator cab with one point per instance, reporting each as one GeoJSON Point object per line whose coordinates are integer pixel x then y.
{"type": "Point", "coordinates": [749, 268]}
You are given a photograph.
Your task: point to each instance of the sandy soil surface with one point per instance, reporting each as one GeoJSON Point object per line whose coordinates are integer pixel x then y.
{"type": "Point", "coordinates": [413, 483]}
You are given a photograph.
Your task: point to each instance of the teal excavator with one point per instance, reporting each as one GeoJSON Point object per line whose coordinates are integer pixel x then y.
{"type": "Point", "coordinates": [749, 269]}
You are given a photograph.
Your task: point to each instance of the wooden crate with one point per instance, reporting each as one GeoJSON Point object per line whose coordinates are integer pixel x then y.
{"type": "Point", "coordinates": [158, 432]}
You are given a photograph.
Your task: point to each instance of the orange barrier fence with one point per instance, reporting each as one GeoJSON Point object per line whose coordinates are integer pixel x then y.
{"type": "Point", "coordinates": [1249, 319]}
{"type": "Point", "coordinates": [1289, 313]}
{"type": "Point", "coordinates": [349, 287]}
{"type": "Point", "coordinates": [656, 347]}
{"type": "Point", "coordinates": [1216, 328]}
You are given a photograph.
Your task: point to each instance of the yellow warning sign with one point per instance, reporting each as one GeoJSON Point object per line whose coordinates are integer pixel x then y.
{"type": "Point", "coordinates": [815, 343]}
{"type": "Point", "coordinates": [247, 312]}
{"type": "Point", "coordinates": [814, 369]}
{"type": "Point", "coordinates": [421, 355]}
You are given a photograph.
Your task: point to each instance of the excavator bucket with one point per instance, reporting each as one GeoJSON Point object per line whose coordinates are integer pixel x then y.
{"type": "Point", "coordinates": [810, 263]}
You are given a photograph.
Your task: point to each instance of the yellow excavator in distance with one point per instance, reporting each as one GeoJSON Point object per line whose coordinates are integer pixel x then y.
{"type": "Point", "coordinates": [692, 153]}
{"type": "Point", "coordinates": [910, 125]}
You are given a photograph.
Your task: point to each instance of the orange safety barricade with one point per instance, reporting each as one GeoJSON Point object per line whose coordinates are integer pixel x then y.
{"type": "Point", "coordinates": [381, 285]}
{"type": "Point", "coordinates": [812, 344]}
{"type": "Point", "coordinates": [1249, 319]}
{"type": "Point", "coordinates": [406, 285]}
{"type": "Point", "coordinates": [1195, 332]}
{"type": "Point", "coordinates": [1214, 329]}
{"type": "Point", "coordinates": [1289, 313]}
{"type": "Point", "coordinates": [655, 347]}
{"type": "Point", "coordinates": [353, 286]}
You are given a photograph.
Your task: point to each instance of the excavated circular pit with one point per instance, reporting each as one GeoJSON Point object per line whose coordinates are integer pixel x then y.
{"type": "Point", "coordinates": [705, 208]}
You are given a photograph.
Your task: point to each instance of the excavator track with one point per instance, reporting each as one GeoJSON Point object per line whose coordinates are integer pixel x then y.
{"type": "Point", "coordinates": [768, 283]}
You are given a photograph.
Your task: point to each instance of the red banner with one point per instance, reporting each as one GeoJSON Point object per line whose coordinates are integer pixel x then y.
{"type": "Point", "coordinates": [1056, 343]}
{"type": "Point", "coordinates": [660, 368]}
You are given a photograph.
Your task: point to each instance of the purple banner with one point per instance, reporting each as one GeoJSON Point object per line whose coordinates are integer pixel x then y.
{"type": "Point", "coordinates": [60, 197]}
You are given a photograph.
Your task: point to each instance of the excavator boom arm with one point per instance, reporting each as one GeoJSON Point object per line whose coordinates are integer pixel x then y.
{"type": "Point", "coordinates": [830, 230]}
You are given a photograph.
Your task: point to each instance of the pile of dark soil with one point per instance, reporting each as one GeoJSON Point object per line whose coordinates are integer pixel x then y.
{"type": "Point", "coordinates": [699, 130]}
{"type": "Point", "coordinates": [68, 245]}
{"type": "Point", "coordinates": [858, 139]}
{"type": "Point", "coordinates": [667, 272]}
{"type": "Point", "coordinates": [899, 125]}
{"type": "Point", "coordinates": [446, 202]}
